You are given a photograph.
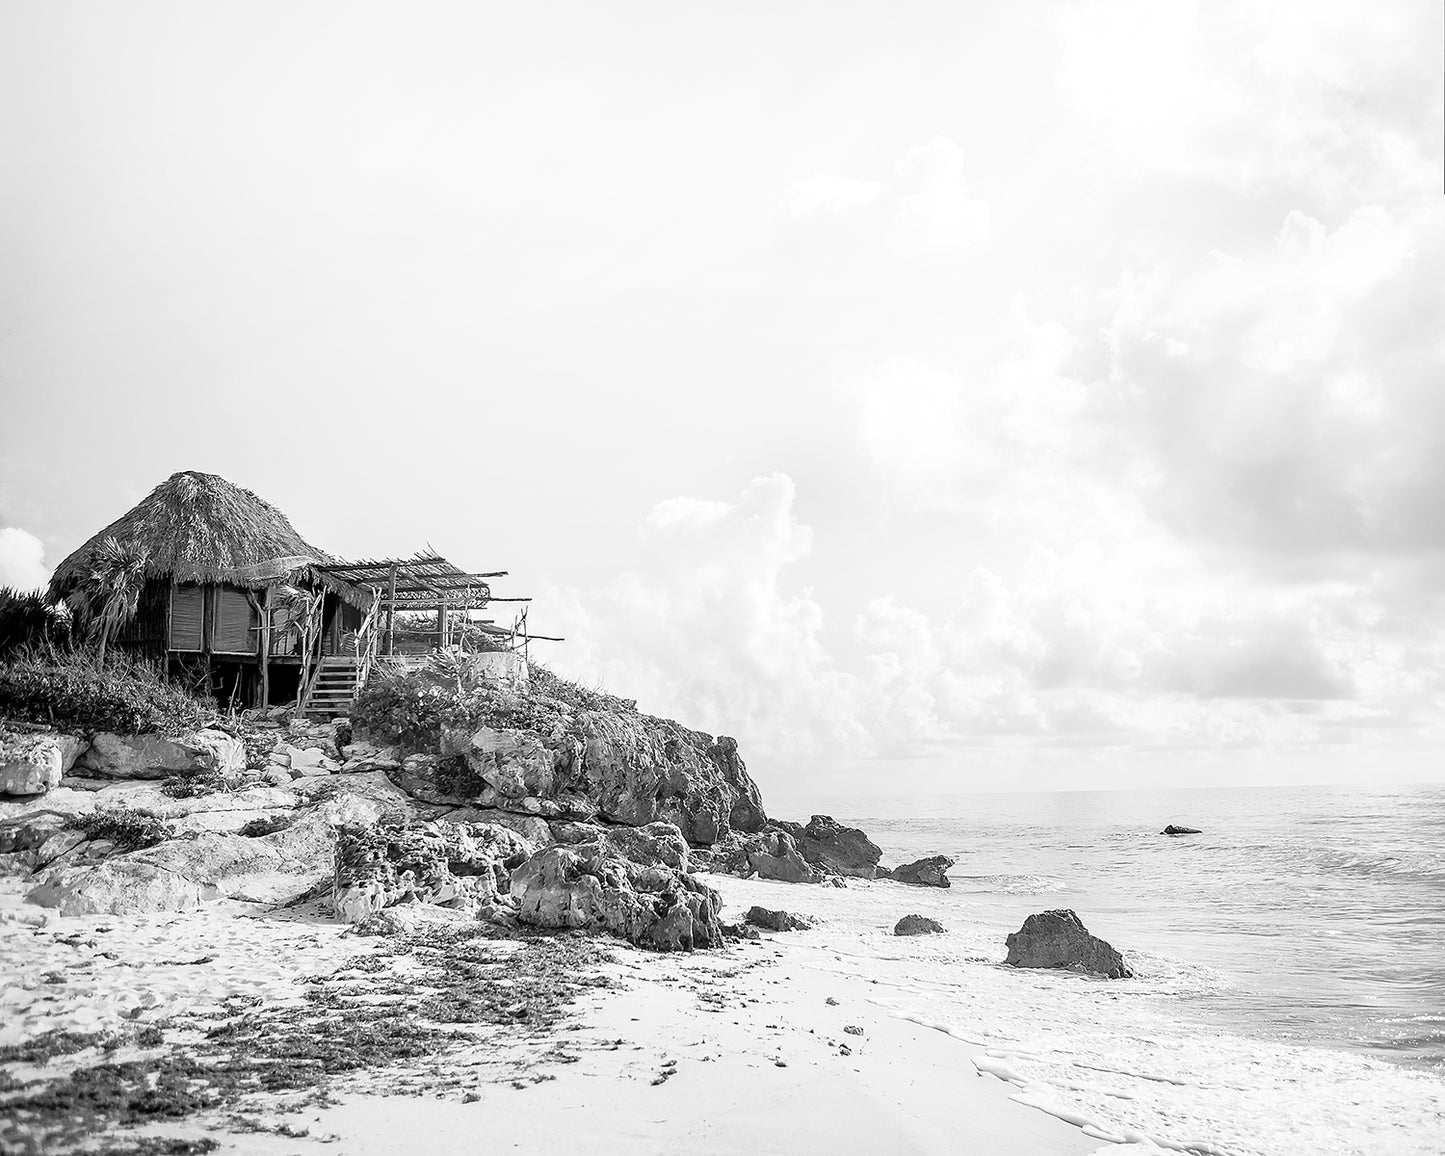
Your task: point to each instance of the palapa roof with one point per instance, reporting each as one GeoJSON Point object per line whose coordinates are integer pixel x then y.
{"type": "Point", "coordinates": [197, 527]}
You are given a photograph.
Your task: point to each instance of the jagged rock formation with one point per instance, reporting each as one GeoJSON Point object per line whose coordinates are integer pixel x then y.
{"type": "Point", "coordinates": [767, 854]}
{"type": "Point", "coordinates": [655, 845]}
{"type": "Point", "coordinates": [621, 768]}
{"type": "Point", "coordinates": [917, 925]}
{"type": "Point", "coordinates": [929, 872]}
{"type": "Point", "coordinates": [1173, 830]}
{"type": "Point", "coordinates": [655, 907]}
{"type": "Point", "coordinates": [837, 849]}
{"type": "Point", "coordinates": [1060, 939]}
{"type": "Point", "coordinates": [439, 862]}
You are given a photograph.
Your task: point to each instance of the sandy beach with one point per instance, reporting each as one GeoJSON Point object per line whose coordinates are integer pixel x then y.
{"type": "Point", "coordinates": [775, 1042]}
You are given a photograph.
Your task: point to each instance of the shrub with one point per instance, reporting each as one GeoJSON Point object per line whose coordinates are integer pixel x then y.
{"type": "Point", "coordinates": [128, 830]}
{"type": "Point", "coordinates": [258, 827]}
{"type": "Point", "coordinates": [29, 620]}
{"type": "Point", "coordinates": [205, 782]}
{"type": "Point", "coordinates": [413, 708]}
{"type": "Point", "coordinates": [416, 707]}
{"type": "Point", "coordinates": [73, 689]}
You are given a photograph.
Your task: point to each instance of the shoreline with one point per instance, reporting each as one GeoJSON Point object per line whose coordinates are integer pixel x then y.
{"type": "Point", "coordinates": [717, 1048]}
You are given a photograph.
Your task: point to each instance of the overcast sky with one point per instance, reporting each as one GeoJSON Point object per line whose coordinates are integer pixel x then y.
{"type": "Point", "coordinates": [934, 396]}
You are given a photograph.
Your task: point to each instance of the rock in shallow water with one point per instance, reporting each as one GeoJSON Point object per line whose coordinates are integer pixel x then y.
{"type": "Point", "coordinates": [826, 843]}
{"type": "Point", "coordinates": [1173, 830]}
{"type": "Point", "coordinates": [930, 872]}
{"type": "Point", "coordinates": [655, 906]}
{"type": "Point", "coordinates": [1053, 939]}
{"type": "Point", "coordinates": [917, 925]}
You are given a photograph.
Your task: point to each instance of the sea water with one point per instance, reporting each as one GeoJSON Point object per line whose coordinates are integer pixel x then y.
{"type": "Point", "coordinates": [1290, 960]}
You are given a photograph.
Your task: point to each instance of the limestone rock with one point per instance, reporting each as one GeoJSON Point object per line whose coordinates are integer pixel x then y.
{"type": "Point", "coordinates": [570, 832]}
{"type": "Point", "coordinates": [430, 862]}
{"type": "Point", "coordinates": [154, 757]}
{"type": "Point", "coordinates": [31, 764]}
{"type": "Point", "coordinates": [917, 925]}
{"type": "Point", "coordinates": [771, 920]}
{"type": "Point", "coordinates": [767, 854]}
{"type": "Point", "coordinates": [929, 872]}
{"type": "Point", "coordinates": [533, 829]}
{"type": "Point", "coordinates": [57, 846]}
{"type": "Point", "coordinates": [826, 843]}
{"type": "Point", "coordinates": [655, 845]}
{"type": "Point", "coordinates": [655, 907]}
{"type": "Point", "coordinates": [118, 887]}
{"type": "Point", "coordinates": [310, 761]}
{"type": "Point", "coordinates": [180, 873]}
{"type": "Point", "coordinates": [357, 799]}
{"type": "Point", "coordinates": [28, 832]}
{"type": "Point", "coordinates": [269, 869]}
{"type": "Point", "coordinates": [640, 769]}
{"type": "Point", "coordinates": [1173, 830]}
{"type": "Point", "coordinates": [1059, 939]}
{"type": "Point", "coordinates": [515, 763]}
{"type": "Point", "coordinates": [367, 756]}
{"type": "Point", "coordinates": [217, 751]}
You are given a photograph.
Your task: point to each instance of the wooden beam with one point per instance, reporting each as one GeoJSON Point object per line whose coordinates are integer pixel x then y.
{"type": "Point", "coordinates": [391, 616]}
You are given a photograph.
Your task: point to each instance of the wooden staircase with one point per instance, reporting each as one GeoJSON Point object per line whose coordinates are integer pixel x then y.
{"type": "Point", "coordinates": [332, 689]}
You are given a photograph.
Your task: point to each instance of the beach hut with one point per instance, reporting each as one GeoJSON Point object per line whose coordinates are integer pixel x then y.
{"type": "Point", "coordinates": [222, 585]}
{"type": "Point", "coordinates": [215, 582]}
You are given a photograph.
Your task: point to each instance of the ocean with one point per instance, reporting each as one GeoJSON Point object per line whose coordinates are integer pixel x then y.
{"type": "Point", "coordinates": [1290, 960]}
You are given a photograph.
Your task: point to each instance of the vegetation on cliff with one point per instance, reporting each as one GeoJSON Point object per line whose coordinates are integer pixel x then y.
{"type": "Point", "coordinates": [74, 689]}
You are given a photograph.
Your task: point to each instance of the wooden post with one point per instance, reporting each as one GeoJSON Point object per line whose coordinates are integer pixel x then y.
{"type": "Point", "coordinates": [391, 615]}
{"type": "Point", "coordinates": [265, 647]}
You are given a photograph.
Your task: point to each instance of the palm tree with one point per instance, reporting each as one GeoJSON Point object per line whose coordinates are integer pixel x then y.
{"type": "Point", "coordinates": [108, 594]}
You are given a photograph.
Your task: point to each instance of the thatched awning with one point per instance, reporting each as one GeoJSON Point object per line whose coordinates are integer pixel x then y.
{"type": "Point", "coordinates": [200, 528]}
{"type": "Point", "coordinates": [424, 580]}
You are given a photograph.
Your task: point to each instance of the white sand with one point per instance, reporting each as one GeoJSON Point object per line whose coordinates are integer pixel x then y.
{"type": "Point", "coordinates": [754, 1049]}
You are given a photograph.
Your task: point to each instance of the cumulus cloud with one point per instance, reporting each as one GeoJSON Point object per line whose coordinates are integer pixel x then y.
{"type": "Point", "coordinates": [707, 628]}
{"type": "Point", "coordinates": [1105, 643]}
{"type": "Point", "coordinates": [924, 208]}
{"type": "Point", "coordinates": [22, 559]}
{"type": "Point", "coordinates": [1288, 400]}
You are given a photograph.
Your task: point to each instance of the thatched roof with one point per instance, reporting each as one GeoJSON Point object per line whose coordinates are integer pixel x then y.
{"type": "Point", "coordinates": [196, 527]}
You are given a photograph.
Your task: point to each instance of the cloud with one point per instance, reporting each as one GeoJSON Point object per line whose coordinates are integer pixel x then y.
{"type": "Point", "coordinates": [923, 209]}
{"type": "Point", "coordinates": [1334, 100]}
{"type": "Point", "coordinates": [22, 559]}
{"type": "Point", "coordinates": [1286, 401]}
{"type": "Point", "coordinates": [1109, 643]}
{"type": "Point", "coordinates": [706, 629]}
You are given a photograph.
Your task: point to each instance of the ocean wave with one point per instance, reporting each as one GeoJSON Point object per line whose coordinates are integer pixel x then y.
{"type": "Point", "coordinates": [1429, 868]}
{"type": "Point", "coordinates": [1011, 884]}
{"type": "Point", "coordinates": [1166, 976]}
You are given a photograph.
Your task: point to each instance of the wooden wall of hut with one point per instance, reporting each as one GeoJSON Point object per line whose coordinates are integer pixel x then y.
{"type": "Point", "coordinates": [145, 634]}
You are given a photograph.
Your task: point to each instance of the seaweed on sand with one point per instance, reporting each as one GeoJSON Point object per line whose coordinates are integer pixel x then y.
{"type": "Point", "coordinates": [461, 980]}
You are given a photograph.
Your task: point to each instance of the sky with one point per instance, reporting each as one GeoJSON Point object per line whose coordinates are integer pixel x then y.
{"type": "Point", "coordinates": [936, 397]}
